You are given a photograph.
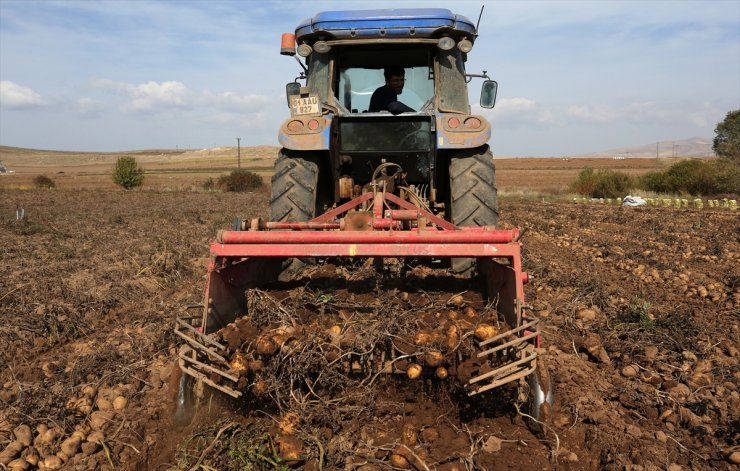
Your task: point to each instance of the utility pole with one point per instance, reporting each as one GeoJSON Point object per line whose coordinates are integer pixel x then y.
{"type": "Point", "coordinates": [238, 152]}
{"type": "Point", "coordinates": [657, 151]}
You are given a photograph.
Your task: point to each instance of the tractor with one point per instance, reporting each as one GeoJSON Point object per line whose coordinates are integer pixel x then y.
{"type": "Point", "coordinates": [412, 182]}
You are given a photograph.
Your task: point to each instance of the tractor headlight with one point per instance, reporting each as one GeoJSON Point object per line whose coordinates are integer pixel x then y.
{"type": "Point", "coordinates": [321, 47]}
{"type": "Point", "coordinates": [465, 46]}
{"type": "Point", "coordinates": [446, 43]}
{"type": "Point", "coordinates": [304, 50]}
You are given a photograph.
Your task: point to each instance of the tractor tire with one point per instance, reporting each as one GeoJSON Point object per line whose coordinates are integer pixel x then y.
{"type": "Point", "coordinates": [473, 196]}
{"type": "Point", "coordinates": [294, 187]}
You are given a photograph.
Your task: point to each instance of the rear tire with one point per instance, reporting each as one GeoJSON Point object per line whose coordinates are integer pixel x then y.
{"type": "Point", "coordinates": [294, 187]}
{"type": "Point", "coordinates": [473, 197]}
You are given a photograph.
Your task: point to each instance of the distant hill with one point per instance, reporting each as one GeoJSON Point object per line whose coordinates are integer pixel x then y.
{"type": "Point", "coordinates": [693, 147]}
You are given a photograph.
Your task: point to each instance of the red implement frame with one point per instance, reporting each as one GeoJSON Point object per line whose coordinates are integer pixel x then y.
{"type": "Point", "coordinates": [369, 228]}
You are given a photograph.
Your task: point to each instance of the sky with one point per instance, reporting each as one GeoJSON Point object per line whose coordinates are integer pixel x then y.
{"type": "Point", "coordinates": [574, 76]}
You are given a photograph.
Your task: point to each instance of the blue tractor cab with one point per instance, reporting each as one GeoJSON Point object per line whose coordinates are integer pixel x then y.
{"type": "Point", "coordinates": [385, 89]}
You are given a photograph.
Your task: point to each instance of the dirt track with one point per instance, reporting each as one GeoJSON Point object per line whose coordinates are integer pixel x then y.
{"type": "Point", "coordinates": [640, 306]}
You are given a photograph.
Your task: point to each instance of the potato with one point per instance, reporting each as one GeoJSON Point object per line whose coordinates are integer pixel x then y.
{"type": "Point", "coordinates": [485, 332]}
{"type": "Point", "coordinates": [470, 312]}
{"type": "Point", "coordinates": [453, 315]}
{"type": "Point", "coordinates": [256, 365]}
{"type": "Point", "coordinates": [89, 391]}
{"type": "Point", "coordinates": [433, 358]}
{"type": "Point", "coordinates": [408, 435]}
{"type": "Point", "coordinates": [18, 465]}
{"type": "Point", "coordinates": [398, 461]}
{"type": "Point", "coordinates": [456, 300]}
{"type": "Point", "coordinates": [23, 434]}
{"type": "Point", "coordinates": [52, 463]}
{"type": "Point", "coordinates": [453, 338]}
{"type": "Point", "coordinates": [119, 403]}
{"type": "Point", "coordinates": [32, 459]}
{"type": "Point", "coordinates": [422, 339]}
{"type": "Point", "coordinates": [238, 363]}
{"type": "Point", "coordinates": [441, 372]}
{"type": "Point", "coordinates": [98, 420]}
{"type": "Point", "coordinates": [265, 345]}
{"type": "Point", "coordinates": [103, 403]}
{"type": "Point", "coordinates": [413, 371]}
{"type": "Point", "coordinates": [70, 446]}
{"type": "Point", "coordinates": [10, 452]}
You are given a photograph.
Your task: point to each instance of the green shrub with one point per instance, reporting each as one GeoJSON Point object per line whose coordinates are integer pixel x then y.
{"type": "Point", "coordinates": [240, 180]}
{"type": "Point", "coordinates": [42, 181]}
{"type": "Point", "coordinates": [654, 181]}
{"type": "Point", "coordinates": [695, 177]}
{"type": "Point", "coordinates": [128, 173]}
{"type": "Point", "coordinates": [602, 183]}
{"type": "Point", "coordinates": [726, 176]}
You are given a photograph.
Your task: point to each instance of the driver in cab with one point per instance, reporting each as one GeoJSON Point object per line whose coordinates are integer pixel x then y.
{"type": "Point", "coordinates": [385, 98]}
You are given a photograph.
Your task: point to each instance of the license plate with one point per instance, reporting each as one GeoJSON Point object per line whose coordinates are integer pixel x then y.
{"type": "Point", "coordinates": [305, 105]}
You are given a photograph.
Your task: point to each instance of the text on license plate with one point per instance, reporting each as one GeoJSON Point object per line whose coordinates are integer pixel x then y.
{"type": "Point", "coordinates": [305, 105]}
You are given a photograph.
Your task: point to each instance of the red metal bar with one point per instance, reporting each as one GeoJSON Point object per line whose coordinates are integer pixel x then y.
{"type": "Point", "coordinates": [343, 208]}
{"type": "Point", "coordinates": [365, 250]}
{"type": "Point", "coordinates": [302, 225]}
{"type": "Point", "coordinates": [370, 237]}
{"type": "Point", "coordinates": [384, 223]}
{"type": "Point", "coordinates": [403, 214]}
{"type": "Point", "coordinates": [429, 216]}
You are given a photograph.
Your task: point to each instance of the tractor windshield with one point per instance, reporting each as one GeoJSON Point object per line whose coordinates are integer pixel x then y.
{"type": "Point", "coordinates": [359, 72]}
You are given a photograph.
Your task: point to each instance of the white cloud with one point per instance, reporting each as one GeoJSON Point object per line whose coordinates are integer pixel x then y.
{"type": "Point", "coordinates": [16, 96]}
{"type": "Point", "coordinates": [518, 111]}
{"type": "Point", "coordinates": [153, 97]}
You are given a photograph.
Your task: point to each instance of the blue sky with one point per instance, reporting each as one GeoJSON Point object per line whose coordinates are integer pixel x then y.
{"type": "Point", "coordinates": [574, 76]}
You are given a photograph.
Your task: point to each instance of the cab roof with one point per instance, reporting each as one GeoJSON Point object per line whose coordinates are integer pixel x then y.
{"type": "Point", "coordinates": [389, 23]}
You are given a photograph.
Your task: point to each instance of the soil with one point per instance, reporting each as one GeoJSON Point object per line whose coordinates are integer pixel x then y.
{"type": "Point", "coordinates": [640, 308]}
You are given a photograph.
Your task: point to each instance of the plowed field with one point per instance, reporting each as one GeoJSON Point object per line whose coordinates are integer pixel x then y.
{"type": "Point", "coordinates": [641, 311]}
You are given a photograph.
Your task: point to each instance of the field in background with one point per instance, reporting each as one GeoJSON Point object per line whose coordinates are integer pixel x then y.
{"type": "Point", "coordinates": [180, 169]}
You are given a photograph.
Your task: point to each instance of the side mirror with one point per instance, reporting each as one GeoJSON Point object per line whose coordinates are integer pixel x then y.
{"type": "Point", "coordinates": [292, 88]}
{"type": "Point", "coordinates": [488, 94]}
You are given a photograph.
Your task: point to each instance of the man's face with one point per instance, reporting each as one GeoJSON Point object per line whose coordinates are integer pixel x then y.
{"type": "Point", "coordinates": [396, 83]}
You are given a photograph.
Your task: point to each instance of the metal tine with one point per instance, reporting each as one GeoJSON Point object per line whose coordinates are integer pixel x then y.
{"type": "Point", "coordinates": [205, 338]}
{"type": "Point", "coordinates": [509, 332]}
{"type": "Point", "coordinates": [503, 381]}
{"type": "Point", "coordinates": [204, 378]}
{"type": "Point", "coordinates": [201, 347]}
{"type": "Point", "coordinates": [503, 368]}
{"type": "Point", "coordinates": [509, 343]}
{"type": "Point", "coordinates": [209, 368]}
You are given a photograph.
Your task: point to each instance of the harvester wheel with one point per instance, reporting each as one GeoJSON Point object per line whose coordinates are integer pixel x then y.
{"type": "Point", "coordinates": [473, 195]}
{"type": "Point", "coordinates": [294, 187]}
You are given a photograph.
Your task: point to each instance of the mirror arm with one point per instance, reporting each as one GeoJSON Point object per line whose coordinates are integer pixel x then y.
{"type": "Point", "coordinates": [469, 77]}
{"type": "Point", "coordinates": [305, 69]}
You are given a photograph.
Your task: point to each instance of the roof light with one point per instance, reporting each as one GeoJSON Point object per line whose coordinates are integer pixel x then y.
{"type": "Point", "coordinates": [304, 50]}
{"type": "Point", "coordinates": [465, 46]}
{"type": "Point", "coordinates": [287, 44]}
{"type": "Point", "coordinates": [446, 43]}
{"type": "Point", "coordinates": [321, 47]}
